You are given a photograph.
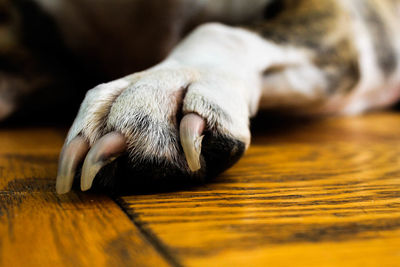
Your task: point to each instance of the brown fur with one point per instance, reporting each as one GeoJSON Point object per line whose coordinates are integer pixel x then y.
{"type": "Point", "coordinates": [321, 27]}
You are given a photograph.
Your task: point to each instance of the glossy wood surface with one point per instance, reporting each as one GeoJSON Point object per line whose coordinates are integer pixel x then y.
{"type": "Point", "coordinates": [307, 193]}
{"type": "Point", "coordinates": [318, 193]}
{"type": "Point", "coordinates": [40, 228]}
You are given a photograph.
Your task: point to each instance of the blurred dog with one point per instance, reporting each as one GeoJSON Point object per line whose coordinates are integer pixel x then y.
{"type": "Point", "coordinates": [214, 65]}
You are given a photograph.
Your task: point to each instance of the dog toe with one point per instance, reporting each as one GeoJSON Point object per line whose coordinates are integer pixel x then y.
{"type": "Point", "coordinates": [164, 125]}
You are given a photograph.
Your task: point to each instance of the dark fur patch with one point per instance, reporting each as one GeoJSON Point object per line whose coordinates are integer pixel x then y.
{"type": "Point", "coordinates": [53, 81]}
{"type": "Point", "coordinates": [4, 15]}
{"type": "Point", "coordinates": [273, 9]}
{"type": "Point", "coordinates": [299, 22]}
{"type": "Point", "coordinates": [126, 176]}
{"type": "Point", "coordinates": [220, 152]}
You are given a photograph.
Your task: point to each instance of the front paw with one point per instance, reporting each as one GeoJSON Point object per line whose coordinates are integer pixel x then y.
{"type": "Point", "coordinates": [167, 123]}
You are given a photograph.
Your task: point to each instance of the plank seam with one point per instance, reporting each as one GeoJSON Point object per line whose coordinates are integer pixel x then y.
{"type": "Point", "coordinates": [148, 234]}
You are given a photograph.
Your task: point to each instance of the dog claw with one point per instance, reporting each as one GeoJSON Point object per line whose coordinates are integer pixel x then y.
{"type": "Point", "coordinates": [191, 128]}
{"type": "Point", "coordinates": [104, 151]}
{"type": "Point", "coordinates": [72, 154]}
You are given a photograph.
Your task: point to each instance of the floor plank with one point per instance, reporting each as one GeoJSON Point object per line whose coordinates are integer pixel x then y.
{"type": "Point", "coordinates": [322, 193]}
{"type": "Point", "coordinates": [41, 228]}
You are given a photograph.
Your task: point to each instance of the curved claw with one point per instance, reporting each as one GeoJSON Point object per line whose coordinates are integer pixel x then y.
{"type": "Point", "coordinates": [190, 130]}
{"type": "Point", "coordinates": [72, 154]}
{"type": "Point", "coordinates": [104, 151]}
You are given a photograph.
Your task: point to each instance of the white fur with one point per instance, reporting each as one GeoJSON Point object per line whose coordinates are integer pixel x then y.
{"type": "Point", "coordinates": [220, 66]}
{"type": "Point", "coordinates": [299, 86]}
{"type": "Point", "coordinates": [373, 90]}
{"type": "Point", "coordinates": [94, 108]}
{"type": "Point", "coordinates": [219, 70]}
{"type": "Point", "coordinates": [244, 56]}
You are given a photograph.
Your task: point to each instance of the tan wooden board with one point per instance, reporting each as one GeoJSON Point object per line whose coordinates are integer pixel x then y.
{"type": "Point", "coordinates": [320, 193]}
{"type": "Point", "coordinates": [40, 228]}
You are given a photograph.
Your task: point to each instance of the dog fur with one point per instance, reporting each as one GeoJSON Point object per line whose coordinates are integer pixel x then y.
{"type": "Point", "coordinates": [222, 60]}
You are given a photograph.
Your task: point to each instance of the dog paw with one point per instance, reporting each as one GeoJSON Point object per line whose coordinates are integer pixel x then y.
{"type": "Point", "coordinates": [169, 122]}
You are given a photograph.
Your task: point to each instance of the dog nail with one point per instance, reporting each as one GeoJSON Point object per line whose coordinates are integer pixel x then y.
{"type": "Point", "coordinates": [72, 154]}
{"type": "Point", "coordinates": [191, 128]}
{"type": "Point", "coordinates": [104, 151]}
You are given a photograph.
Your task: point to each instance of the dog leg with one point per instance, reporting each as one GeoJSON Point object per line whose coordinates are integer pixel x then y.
{"type": "Point", "coordinates": [188, 117]}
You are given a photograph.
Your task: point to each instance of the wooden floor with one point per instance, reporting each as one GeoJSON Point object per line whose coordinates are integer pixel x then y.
{"type": "Point", "coordinates": [322, 193]}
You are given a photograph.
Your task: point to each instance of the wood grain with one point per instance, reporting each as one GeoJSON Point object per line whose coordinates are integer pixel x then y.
{"type": "Point", "coordinates": [317, 193]}
{"type": "Point", "coordinates": [41, 228]}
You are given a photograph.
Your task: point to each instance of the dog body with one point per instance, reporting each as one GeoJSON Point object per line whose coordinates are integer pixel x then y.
{"type": "Point", "coordinates": [306, 56]}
